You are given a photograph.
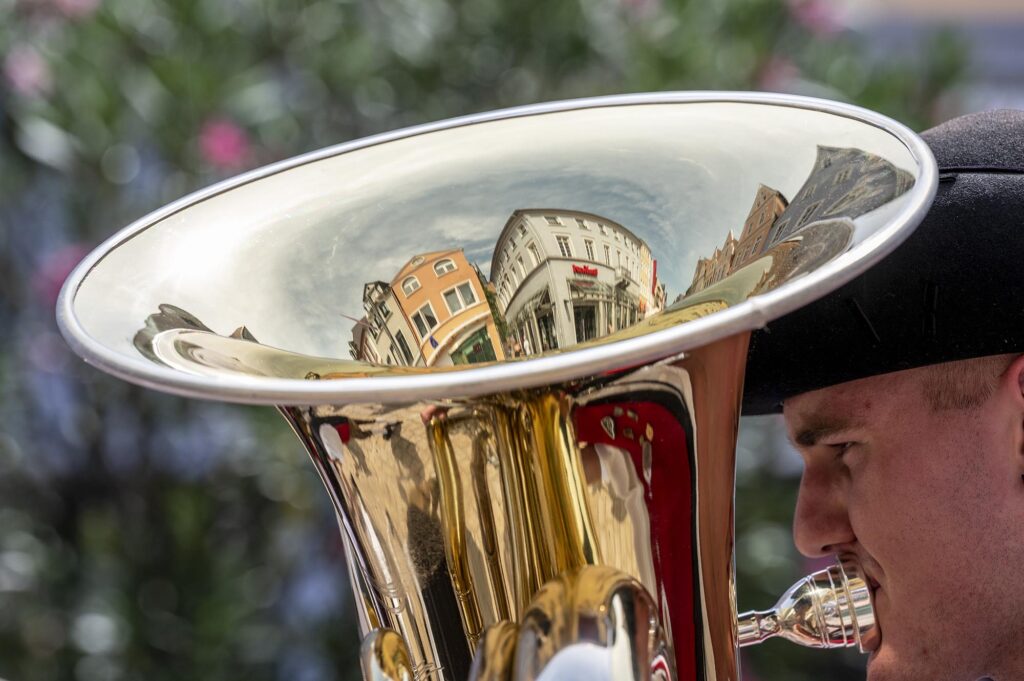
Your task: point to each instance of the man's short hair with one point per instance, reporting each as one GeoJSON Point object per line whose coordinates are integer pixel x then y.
{"type": "Point", "coordinates": [966, 384]}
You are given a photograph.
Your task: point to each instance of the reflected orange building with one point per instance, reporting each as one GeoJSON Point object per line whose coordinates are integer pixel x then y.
{"type": "Point", "coordinates": [442, 298]}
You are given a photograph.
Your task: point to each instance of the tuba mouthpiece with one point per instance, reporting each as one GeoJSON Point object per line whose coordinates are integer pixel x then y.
{"type": "Point", "coordinates": [830, 608]}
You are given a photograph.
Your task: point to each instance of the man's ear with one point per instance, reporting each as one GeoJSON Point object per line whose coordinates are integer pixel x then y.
{"type": "Point", "coordinates": [1013, 379]}
{"type": "Point", "coordinates": [1012, 382]}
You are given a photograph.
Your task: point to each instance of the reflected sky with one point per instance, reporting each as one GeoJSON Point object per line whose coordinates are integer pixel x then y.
{"type": "Point", "coordinates": [288, 255]}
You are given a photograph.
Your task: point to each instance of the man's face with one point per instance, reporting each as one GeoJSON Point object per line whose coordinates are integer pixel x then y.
{"type": "Point", "coordinates": [931, 502]}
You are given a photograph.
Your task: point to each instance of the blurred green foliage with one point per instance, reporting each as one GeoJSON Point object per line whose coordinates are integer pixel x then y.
{"type": "Point", "coordinates": [146, 537]}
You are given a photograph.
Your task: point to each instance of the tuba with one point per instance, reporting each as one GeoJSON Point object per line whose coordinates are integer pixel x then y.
{"type": "Point", "coordinates": [513, 345]}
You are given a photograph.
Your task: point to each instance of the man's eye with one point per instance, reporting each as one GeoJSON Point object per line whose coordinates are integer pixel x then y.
{"type": "Point", "coordinates": [841, 448]}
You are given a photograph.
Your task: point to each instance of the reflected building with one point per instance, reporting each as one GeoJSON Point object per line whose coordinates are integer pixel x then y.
{"type": "Point", "coordinates": [843, 184]}
{"type": "Point", "coordinates": [441, 306]}
{"type": "Point", "coordinates": [384, 335]}
{"type": "Point", "coordinates": [564, 277]}
{"type": "Point", "coordinates": [716, 267]}
{"type": "Point", "coordinates": [768, 205]}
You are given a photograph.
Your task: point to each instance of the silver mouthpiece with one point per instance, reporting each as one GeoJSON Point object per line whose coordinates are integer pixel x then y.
{"type": "Point", "coordinates": [830, 608]}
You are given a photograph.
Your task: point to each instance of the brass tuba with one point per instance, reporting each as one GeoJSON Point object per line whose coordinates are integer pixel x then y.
{"type": "Point", "coordinates": [513, 345]}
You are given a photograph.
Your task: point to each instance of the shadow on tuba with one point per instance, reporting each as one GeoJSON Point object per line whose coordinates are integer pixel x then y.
{"type": "Point", "coordinates": [513, 345]}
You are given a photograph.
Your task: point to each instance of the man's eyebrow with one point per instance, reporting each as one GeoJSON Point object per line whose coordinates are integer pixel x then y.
{"type": "Point", "coordinates": [813, 433]}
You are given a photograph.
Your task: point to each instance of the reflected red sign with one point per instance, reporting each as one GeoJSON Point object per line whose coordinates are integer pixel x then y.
{"type": "Point", "coordinates": [583, 269]}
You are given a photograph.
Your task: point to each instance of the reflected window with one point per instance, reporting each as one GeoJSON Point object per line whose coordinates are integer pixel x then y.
{"type": "Point", "coordinates": [534, 253]}
{"type": "Point", "coordinates": [468, 294]}
{"type": "Point", "coordinates": [425, 320]}
{"type": "Point", "coordinates": [552, 220]}
{"type": "Point", "coordinates": [564, 246]}
{"type": "Point", "coordinates": [522, 229]}
{"type": "Point", "coordinates": [585, 321]}
{"type": "Point", "coordinates": [590, 248]}
{"type": "Point", "coordinates": [607, 255]}
{"type": "Point", "coordinates": [403, 345]}
{"type": "Point", "coordinates": [384, 311]}
{"type": "Point", "coordinates": [462, 296]}
{"type": "Point", "coordinates": [442, 267]}
{"type": "Point", "coordinates": [808, 212]}
{"type": "Point", "coordinates": [522, 267]}
{"type": "Point", "coordinates": [410, 285]}
{"type": "Point", "coordinates": [546, 328]}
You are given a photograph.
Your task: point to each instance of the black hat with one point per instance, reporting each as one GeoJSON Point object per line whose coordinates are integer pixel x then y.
{"type": "Point", "coordinates": [953, 290]}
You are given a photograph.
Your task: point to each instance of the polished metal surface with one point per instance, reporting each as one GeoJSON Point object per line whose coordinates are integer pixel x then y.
{"type": "Point", "coordinates": [306, 256]}
{"type": "Point", "coordinates": [513, 346]}
{"type": "Point", "coordinates": [828, 609]}
{"type": "Point", "coordinates": [459, 515]}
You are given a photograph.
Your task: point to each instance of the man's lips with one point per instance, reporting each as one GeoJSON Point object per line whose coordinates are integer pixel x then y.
{"type": "Point", "coordinates": [876, 640]}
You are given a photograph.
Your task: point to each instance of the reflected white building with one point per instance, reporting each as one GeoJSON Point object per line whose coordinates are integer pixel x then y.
{"type": "Point", "coordinates": [382, 336]}
{"type": "Point", "coordinates": [564, 277]}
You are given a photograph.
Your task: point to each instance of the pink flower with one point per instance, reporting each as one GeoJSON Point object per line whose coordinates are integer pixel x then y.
{"type": "Point", "coordinates": [27, 72]}
{"type": "Point", "coordinates": [778, 75]}
{"type": "Point", "coordinates": [223, 144]}
{"type": "Point", "coordinates": [53, 270]}
{"type": "Point", "coordinates": [817, 16]}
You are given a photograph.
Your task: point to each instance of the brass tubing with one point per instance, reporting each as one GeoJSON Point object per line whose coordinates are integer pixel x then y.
{"type": "Point", "coordinates": [384, 657]}
{"type": "Point", "coordinates": [529, 555]}
{"type": "Point", "coordinates": [453, 512]}
{"type": "Point", "coordinates": [560, 477]}
{"type": "Point", "coordinates": [488, 532]}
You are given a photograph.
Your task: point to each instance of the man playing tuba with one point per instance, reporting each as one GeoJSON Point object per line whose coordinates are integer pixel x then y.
{"type": "Point", "coordinates": [903, 392]}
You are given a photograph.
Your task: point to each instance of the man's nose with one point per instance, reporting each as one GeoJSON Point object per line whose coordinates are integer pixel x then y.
{"type": "Point", "coordinates": [822, 523]}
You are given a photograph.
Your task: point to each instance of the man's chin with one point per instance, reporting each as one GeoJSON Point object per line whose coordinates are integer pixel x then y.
{"type": "Point", "coordinates": [885, 664]}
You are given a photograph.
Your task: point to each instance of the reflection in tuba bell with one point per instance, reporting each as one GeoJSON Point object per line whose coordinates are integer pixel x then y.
{"type": "Point", "coordinates": [513, 345]}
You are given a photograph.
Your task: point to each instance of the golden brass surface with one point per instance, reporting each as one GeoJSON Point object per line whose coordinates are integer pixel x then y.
{"type": "Point", "coordinates": [494, 655]}
{"type": "Point", "coordinates": [594, 622]}
{"type": "Point", "coordinates": [472, 509]}
{"type": "Point", "coordinates": [384, 657]}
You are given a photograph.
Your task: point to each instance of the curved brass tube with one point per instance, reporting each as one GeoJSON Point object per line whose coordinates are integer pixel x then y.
{"type": "Point", "coordinates": [384, 657]}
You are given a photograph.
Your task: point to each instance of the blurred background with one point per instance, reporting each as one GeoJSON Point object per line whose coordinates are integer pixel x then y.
{"type": "Point", "coordinates": [144, 536]}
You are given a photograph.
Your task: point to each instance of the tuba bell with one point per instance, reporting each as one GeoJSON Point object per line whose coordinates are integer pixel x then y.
{"type": "Point", "coordinates": [513, 345]}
